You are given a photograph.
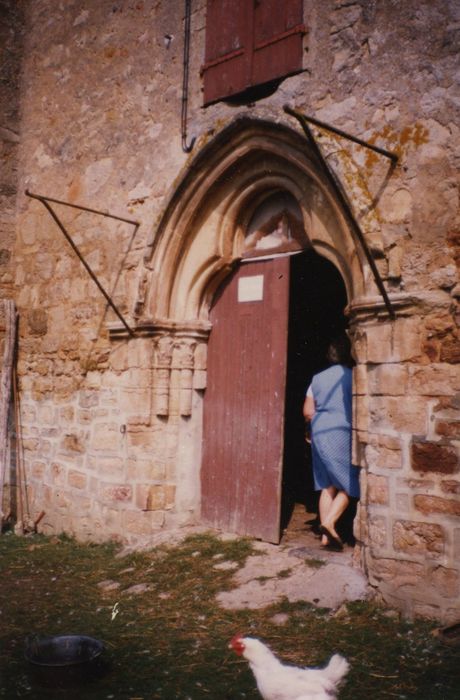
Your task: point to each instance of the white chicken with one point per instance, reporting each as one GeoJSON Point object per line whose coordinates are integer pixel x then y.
{"type": "Point", "coordinates": [277, 681]}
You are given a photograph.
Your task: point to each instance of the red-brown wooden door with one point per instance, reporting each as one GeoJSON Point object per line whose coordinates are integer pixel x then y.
{"type": "Point", "coordinates": [244, 401]}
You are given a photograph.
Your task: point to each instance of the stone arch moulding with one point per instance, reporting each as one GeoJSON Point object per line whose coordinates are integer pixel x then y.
{"type": "Point", "coordinates": [199, 236]}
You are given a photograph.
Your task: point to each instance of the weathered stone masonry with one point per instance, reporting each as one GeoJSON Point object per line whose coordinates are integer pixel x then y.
{"type": "Point", "coordinates": [111, 424]}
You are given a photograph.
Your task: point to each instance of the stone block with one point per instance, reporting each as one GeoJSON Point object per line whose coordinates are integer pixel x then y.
{"type": "Point", "coordinates": [51, 432]}
{"type": "Point", "coordinates": [445, 581]}
{"type": "Point", "coordinates": [140, 353]}
{"type": "Point", "coordinates": [63, 500]}
{"type": "Point", "coordinates": [145, 470]}
{"type": "Point", "coordinates": [155, 497]}
{"type": "Point", "coordinates": [425, 610]}
{"type": "Point", "coordinates": [433, 457]}
{"type": "Point", "coordinates": [121, 493]}
{"type": "Point", "coordinates": [83, 504]}
{"type": "Point", "coordinates": [418, 538]}
{"type": "Point", "coordinates": [58, 474]}
{"type": "Point", "coordinates": [450, 350]}
{"type": "Point", "coordinates": [42, 387]}
{"type": "Point", "coordinates": [413, 483]}
{"type": "Point", "coordinates": [377, 489]}
{"type": "Point", "coordinates": [37, 320]}
{"type": "Point", "coordinates": [408, 415]}
{"type": "Point", "coordinates": [396, 571]}
{"type": "Point", "coordinates": [407, 339]}
{"type": "Point", "coordinates": [450, 486]}
{"type": "Point", "coordinates": [119, 358]}
{"type": "Point", "coordinates": [170, 496]}
{"type": "Point", "coordinates": [93, 380]}
{"type": "Point", "coordinates": [67, 414]}
{"type": "Point", "coordinates": [360, 380]}
{"type": "Point", "coordinates": [137, 404]}
{"type": "Point", "coordinates": [378, 531]}
{"type": "Point", "coordinates": [85, 417]}
{"type": "Point", "coordinates": [38, 470]}
{"type": "Point", "coordinates": [448, 429]}
{"type": "Point", "coordinates": [384, 451]}
{"type": "Point", "coordinates": [199, 379]}
{"type": "Point", "coordinates": [46, 448]}
{"type": "Point", "coordinates": [88, 399]}
{"type": "Point", "coordinates": [432, 381]}
{"type": "Point", "coordinates": [113, 466]}
{"type": "Point", "coordinates": [394, 342]}
{"type": "Point", "coordinates": [388, 380]}
{"type": "Point", "coordinates": [134, 378]}
{"type": "Point", "coordinates": [73, 443]}
{"type": "Point", "coordinates": [138, 523]}
{"type": "Point", "coordinates": [142, 438]}
{"type": "Point", "coordinates": [379, 343]}
{"type": "Point", "coordinates": [65, 387]}
{"type": "Point", "coordinates": [429, 505]}
{"type": "Point", "coordinates": [106, 436]}
{"type": "Point", "coordinates": [361, 413]}
{"type": "Point", "coordinates": [360, 346]}
{"type": "Point", "coordinates": [47, 415]}
{"type": "Point", "coordinates": [76, 480]}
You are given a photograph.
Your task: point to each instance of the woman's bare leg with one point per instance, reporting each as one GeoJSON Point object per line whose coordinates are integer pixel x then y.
{"type": "Point", "coordinates": [336, 509]}
{"type": "Point", "coordinates": [326, 500]}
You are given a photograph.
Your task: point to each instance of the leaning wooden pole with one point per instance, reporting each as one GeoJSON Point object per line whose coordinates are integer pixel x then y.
{"type": "Point", "coordinates": [5, 389]}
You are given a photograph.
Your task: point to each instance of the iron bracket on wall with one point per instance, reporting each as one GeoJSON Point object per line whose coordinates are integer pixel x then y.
{"type": "Point", "coordinates": [338, 191]}
{"type": "Point", "coordinates": [45, 201]}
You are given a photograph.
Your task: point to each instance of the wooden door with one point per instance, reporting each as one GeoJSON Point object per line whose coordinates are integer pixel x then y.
{"type": "Point", "coordinates": [244, 401]}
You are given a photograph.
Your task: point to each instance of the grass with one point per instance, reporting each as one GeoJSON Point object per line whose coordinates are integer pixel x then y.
{"type": "Point", "coordinates": [170, 641]}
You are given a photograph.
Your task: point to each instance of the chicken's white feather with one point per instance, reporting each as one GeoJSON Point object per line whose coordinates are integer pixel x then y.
{"type": "Point", "coordinates": [278, 681]}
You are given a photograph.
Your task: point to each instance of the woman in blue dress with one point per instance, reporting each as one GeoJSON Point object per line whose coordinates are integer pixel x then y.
{"type": "Point", "coordinates": [328, 405]}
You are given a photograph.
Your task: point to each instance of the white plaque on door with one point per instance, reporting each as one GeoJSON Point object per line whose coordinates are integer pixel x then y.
{"type": "Point", "coordinates": [251, 288]}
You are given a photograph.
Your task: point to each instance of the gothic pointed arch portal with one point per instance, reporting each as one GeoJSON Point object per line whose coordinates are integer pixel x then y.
{"type": "Point", "coordinates": [201, 232]}
{"type": "Point", "coordinates": [199, 244]}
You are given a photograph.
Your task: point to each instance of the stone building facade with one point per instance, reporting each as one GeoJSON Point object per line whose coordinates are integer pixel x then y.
{"type": "Point", "coordinates": [111, 422]}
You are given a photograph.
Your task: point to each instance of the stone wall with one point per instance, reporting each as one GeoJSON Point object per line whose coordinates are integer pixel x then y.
{"type": "Point", "coordinates": [112, 424]}
{"type": "Point", "coordinates": [407, 434]}
{"type": "Point", "coordinates": [10, 56]}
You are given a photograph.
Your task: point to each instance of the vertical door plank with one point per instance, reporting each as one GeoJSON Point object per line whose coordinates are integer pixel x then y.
{"type": "Point", "coordinates": [244, 401]}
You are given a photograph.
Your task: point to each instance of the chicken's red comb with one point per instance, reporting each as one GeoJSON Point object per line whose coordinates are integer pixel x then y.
{"type": "Point", "coordinates": [237, 644]}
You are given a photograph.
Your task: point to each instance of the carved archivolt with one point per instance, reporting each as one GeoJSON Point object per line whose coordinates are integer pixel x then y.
{"type": "Point", "coordinates": [201, 233]}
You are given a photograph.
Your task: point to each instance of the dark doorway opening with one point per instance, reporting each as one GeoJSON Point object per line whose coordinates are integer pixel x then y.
{"type": "Point", "coordinates": [316, 314]}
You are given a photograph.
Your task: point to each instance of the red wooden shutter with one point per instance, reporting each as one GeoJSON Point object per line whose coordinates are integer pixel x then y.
{"type": "Point", "coordinates": [278, 31]}
{"type": "Point", "coordinates": [227, 70]}
{"type": "Point", "coordinates": [249, 43]}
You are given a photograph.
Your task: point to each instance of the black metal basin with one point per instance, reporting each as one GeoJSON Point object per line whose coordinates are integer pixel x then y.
{"type": "Point", "coordinates": [65, 659]}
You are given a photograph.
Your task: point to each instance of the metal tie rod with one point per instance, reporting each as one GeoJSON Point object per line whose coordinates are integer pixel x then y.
{"type": "Point", "coordinates": [343, 200]}
{"type": "Point", "coordinates": [45, 201]}
{"type": "Point", "coordinates": [328, 127]}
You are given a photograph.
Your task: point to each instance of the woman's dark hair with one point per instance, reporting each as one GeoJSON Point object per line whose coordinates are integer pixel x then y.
{"type": "Point", "coordinates": [339, 351]}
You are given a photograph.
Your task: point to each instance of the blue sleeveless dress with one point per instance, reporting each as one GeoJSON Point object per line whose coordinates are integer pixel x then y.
{"type": "Point", "coordinates": [331, 431]}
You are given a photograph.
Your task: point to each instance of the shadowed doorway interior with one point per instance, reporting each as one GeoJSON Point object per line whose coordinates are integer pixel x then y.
{"type": "Point", "coordinates": [316, 314]}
